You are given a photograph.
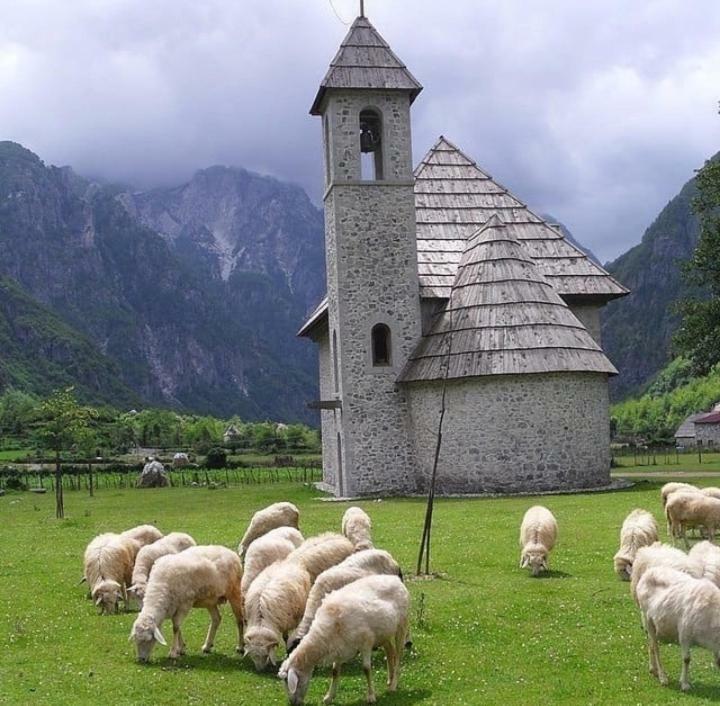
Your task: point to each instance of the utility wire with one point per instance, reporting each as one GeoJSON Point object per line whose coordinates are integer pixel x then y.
{"type": "Point", "coordinates": [347, 24]}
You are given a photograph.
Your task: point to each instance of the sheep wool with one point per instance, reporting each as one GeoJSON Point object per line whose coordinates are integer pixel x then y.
{"type": "Point", "coordinates": [266, 550]}
{"type": "Point", "coordinates": [198, 577]}
{"type": "Point", "coordinates": [371, 612]}
{"type": "Point", "coordinates": [358, 565]}
{"type": "Point", "coordinates": [688, 509]}
{"type": "Point", "coordinates": [538, 535]}
{"type": "Point", "coordinates": [143, 534]}
{"type": "Point", "coordinates": [276, 515]}
{"type": "Point", "coordinates": [638, 530]}
{"type": "Point", "coordinates": [678, 608]}
{"type": "Point", "coordinates": [170, 544]}
{"type": "Point", "coordinates": [357, 527]}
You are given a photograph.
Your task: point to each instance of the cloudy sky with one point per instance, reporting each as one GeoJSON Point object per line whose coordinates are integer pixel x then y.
{"type": "Point", "coordinates": [595, 111]}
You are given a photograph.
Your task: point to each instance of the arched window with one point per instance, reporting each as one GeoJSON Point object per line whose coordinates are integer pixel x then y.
{"type": "Point", "coordinates": [381, 345]}
{"type": "Point", "coordinates": [371, 162]}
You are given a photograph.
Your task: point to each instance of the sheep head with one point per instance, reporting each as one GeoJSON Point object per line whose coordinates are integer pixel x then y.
{"type": "Point", "coordinates": [145, 632]}
{"type": "Point", "coordinates": [536, 559]}
{"type": "Point", "coordinates": [137, 591]}
{"type": "Point", "coordinates": [296, 683]}
{"type": "Point", "coordinates": [107, 595]}
{"type": "Point", "coordinates": [261, 644]}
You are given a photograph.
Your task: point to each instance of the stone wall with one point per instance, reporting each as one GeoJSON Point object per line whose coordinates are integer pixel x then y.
{"type": "Point", "coordinates": [707, 434]}
{"type": "Point", "coordinates": [327, 417]}
{"type": "Point", "coordinates": [372, 278]}
{"type": "Point", "coordinates": [509, 434]}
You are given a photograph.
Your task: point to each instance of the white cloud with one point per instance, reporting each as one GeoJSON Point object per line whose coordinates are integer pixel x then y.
{"type": "Point", "coordinates": [596, 112]}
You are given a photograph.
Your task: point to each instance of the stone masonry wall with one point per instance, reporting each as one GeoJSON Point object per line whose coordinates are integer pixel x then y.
{"type": "Point", "coordinates": [372, 278]}
{"type": "Point", "coordinates": [707, 434]}
{"type": "Point", "coordinates": [327, 417]}
{"type": "Point", "coordinates": [509, 434]}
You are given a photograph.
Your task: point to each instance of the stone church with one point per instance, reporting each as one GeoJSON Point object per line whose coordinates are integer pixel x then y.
{"type": "Point", "coordinates": [444, 291]}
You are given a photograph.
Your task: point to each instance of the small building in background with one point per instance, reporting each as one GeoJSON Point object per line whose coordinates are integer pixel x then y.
{"type": "Point", "coordinates": [707, 430]}
{"type": "Point", "coordinates": [685, 433]}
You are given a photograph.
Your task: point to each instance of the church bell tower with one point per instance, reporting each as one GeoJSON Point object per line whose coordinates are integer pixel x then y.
{"type": "Point", "coordinates": [372, 278]}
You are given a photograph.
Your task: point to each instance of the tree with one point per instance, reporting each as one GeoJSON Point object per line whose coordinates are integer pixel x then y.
{"type": "Point", "coordinates": [699, 335]}
{"type": "Point", "coordinates": [62, 424]}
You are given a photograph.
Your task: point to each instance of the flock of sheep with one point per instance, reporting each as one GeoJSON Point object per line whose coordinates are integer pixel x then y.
{"type": "Point", "coordinates": [329, 597]}
{"type": "Point", "coordinates": [325, 598]}
{"type": "Point", "coordinates": [678, 593]}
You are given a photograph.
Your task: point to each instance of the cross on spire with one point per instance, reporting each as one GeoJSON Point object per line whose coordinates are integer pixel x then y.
{"type": "Point", "coordinates": [362, 8]}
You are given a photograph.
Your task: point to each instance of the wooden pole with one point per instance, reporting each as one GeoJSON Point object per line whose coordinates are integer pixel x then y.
{"type": "Point", "coordinates": [59, 500]}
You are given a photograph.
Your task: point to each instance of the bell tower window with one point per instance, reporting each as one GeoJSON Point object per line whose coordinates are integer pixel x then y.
{"type": "Point", "coordinates": [380, 345]}
{"type": "Point", "coordinates": [371, 148]}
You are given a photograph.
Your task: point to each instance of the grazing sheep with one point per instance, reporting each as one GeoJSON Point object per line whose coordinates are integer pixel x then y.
{"type": "Point", "coordinates": [319, 553]}
{"type": "Point", "coordinates": [684, 510]}
{"type": "Point", "coordinates": [371, 612]}
{"type": "Point", "coordinates": [356, 526]}
{"type": "Point", "coordinates": [711, 492]}
{"type": "Point", "coordinates": [538, 534]}
{"type": "Point", "coordinates": [170, 544]}
{"type": "Point", "coordinates": [109, 561]}
{"type": "Point", "coordinates": [143, 534]}
{"type": "Point", "coordinates": [707, 556]}
{"type": "Point", "coordinates": [199, 577]}
{"type": "Point", "coordinates": [365, 563]}
{"type": "Point", "coordinates": [276, 599]}
{"type": "Point", "coordinates": [271, 547]}
{"type": "Point", "coordinates": [638, 530]}
{"type": "Point", "coordinates": [275, 515]}
{"type": "Point", "coordinates": [658, 554]}
{"type": "Point", "coordinates": [679, 608]}
{"type": "Point", "coordinates": [670, 488]}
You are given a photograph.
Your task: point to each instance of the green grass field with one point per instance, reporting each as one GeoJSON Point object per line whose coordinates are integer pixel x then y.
{"type": "Point", "coordinates": [484, 632]}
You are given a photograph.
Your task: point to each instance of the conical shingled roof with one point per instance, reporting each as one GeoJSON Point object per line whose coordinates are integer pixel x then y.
{"type": "Point", "coordinates": [365, 60]}
{"type": "Point", "coordinates": [503, 318]}
{"type": "Point", "coordinates": [454, 197]}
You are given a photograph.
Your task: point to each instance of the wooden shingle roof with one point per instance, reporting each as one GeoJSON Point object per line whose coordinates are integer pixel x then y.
{"type": "Point", "coordinates": [503, 317]}
{"type": "Point", "coordinates": [454, 198]}
{"type": "Point", "coordinates": [365, 60]}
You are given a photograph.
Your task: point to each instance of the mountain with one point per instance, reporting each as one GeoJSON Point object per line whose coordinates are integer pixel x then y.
{"type": "Point", "coordinates": [188, 324]}
{"type": "Point", "coordinates": [637, 329]}
{"type": "Point", "coordinates": [41, 353]}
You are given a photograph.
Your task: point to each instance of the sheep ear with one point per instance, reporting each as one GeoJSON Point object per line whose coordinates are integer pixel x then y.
{"type": "Point", "coordinates": [82, 581]}
{"type": "Point", "coordinates": [132, 588]}
{"type": "Point", "coordinates": [130, 636]}
{"type": "Point", "coordinates": [292, 681]}
{"type": "Point", "coordinates": [273, 658]}
{"type": "Point", "coordinates": [523, 562]}
{"type": "Point", "coordinates": [159, 636]}
{"type": "Point", "coordinates": [98, 601]}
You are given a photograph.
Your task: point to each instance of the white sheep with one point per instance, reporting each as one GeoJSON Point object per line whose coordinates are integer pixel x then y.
{"type": "Point", "coordinates": [143, 534]}
{"type": "Point", "coordinates": [147, 556]}
{"type": "Point", "coordinates": [538, 535]}
{"type": "Point", "coordinates": [711, 492]}
{"type": "Point", "coordinates": [271, 547]}
{"type": "Point", "coordinates": [638, 530]}
{"type": "Point", "coordinates": [688, 509]}
{"type": "Point", "coordinates": [658, 554]}
{"type": "Point", "coordinates": [679, 608]}
{"type": "Point", "coordinates": [275, 515]}
{"type": "Point", "coordinates": [357, 527]}
{"type": "Point", "coordinates": [358, 565]}
{"type": "Point", "coordinates": [707, 557]}
{"type": "Point", "coordinates": [319, 553]}
{"type": "Point", "coordinates": [371, 612]}
{"type": "Point", "coordinates": [276, 598]}
{"type": "Point", "coordinates": [199, 577]}
{"type": "Point", "coordinates": [109, 561]}
{"type": "Point", "coordinates": [670, 488]}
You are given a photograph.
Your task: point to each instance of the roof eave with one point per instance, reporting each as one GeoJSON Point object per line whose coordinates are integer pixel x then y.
{"type": "Point", "coordinates": [316, 107]}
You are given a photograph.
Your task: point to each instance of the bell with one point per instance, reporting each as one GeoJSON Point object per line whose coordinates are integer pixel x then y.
{"type": "Point", "coordinates": [367, 140]}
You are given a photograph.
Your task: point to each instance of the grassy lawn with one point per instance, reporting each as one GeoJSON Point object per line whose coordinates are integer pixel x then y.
{"type": "Point", "coordinates": [15, 454]}
{"type": "Point", "coordinates": [484, 633]}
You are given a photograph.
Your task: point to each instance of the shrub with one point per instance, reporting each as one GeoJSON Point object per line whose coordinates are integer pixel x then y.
{"type": "Point", "coordinates": [216, 458]}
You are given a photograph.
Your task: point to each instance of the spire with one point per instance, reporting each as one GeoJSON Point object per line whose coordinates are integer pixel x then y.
{"type": "Point", "coordinates": [366, 61]}
{"type": "Point", "coordinates": [503, 318]}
